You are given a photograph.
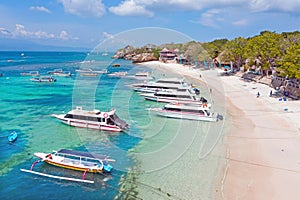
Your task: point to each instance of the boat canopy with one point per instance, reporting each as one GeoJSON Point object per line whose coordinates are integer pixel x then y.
{"type": "Point", "coordinates": [83, 154]}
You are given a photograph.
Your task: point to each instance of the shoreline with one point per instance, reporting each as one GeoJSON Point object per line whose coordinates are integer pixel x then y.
{"type": "Point", "coordinates": [262, 143]}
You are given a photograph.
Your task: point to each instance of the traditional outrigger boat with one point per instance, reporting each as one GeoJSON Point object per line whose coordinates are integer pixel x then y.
{"type": "Point", "coordinates": [75, 160]}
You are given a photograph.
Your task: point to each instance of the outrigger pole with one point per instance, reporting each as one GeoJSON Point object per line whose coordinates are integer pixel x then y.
{"type": "Point", "coordinates": [53, 176]}
{"type": "Point", "coordinates": [57, 177]}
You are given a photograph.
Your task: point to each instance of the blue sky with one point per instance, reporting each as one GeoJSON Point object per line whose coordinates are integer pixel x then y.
{"type": "Point", "coordinates": [86, 23]}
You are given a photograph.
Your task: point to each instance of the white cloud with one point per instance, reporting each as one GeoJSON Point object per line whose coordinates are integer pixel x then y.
{"type": "Point", "coordinates": [147, 7]}
{"type": "Point", "coordinates": [40, 8]}
{"type": "Point", "coordinates": [278, 5]}
{"type": "Point", "coordinates": [84, 8]}
{"type": "Point", "coordinates": [108, 35]}
{"type": "Point", "coordinates": [63, 35]}
{"type": "Point", "coordinates": [5, 32]}
{"type": "Point", "coordinates": [20, 31]}
{"type": "Point", "coordinates": [242, 22]}
{"type": "Point", "coordinates": [211, 18]}
{"type": "Point", "coordinates": [131, 8]}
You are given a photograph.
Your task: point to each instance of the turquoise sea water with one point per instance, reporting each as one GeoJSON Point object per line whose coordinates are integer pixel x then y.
{"type": "Point", "coordinates": [26, 106]}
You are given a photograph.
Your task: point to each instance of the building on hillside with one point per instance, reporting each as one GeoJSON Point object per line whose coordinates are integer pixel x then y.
{"type": "Point", "coordinates": [167, 55]}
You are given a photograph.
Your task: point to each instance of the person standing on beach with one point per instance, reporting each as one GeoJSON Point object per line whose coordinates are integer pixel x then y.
{"type": "Point", "coordinates": [258, 94]}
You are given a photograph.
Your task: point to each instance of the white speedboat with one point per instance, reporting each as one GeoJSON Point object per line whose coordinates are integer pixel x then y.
{"type": "Point", "coordinates": [60, 72]}
{"type": "Point", "coordinates": [31, 73]}
{"type": "Point", "coordinates": [43, 79]}
{"type": "Point", "coordinates": [167, 96]}
{"type": "Point", "coordinates": [186, 111]}
{"type": "Point", "coordinates": [106, 121]}
{"type": "Point", "coordinates": [117, 74]}
{"type": "Point", "coordinates": [163, 83]}
{"type": "Point", "coordinates": [142, 76]}
{"type": "Point", "coordinates": [104, 71]}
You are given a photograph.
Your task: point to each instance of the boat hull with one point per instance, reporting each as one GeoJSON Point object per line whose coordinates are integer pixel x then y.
{"type": "Point", "coordinates": [86, 124]}
{"type": "Point", "coordinates": [169, 100]}
{"type": "Point", "coordinates": [59, 161]}
{"type": "Point", "coordinates": [184, 115]}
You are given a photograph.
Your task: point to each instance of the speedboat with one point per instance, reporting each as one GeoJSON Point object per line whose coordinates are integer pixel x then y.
{"type": "Point", "coordinates": [142, 76]}
{"type": "Point", "coordinates": [60, 72]}
{"type": "Point", "coordinates": [40, 79]}
{"type": "Point", "coordinates": [163, 84]}
{"type": "Point", "coordinates": [106, 121]}
{"type": "Point", "coordinates": [31, 73]}
{"type": "Point", "coordinates": [104, 71]}
{"type": "Point", "coordinates": [186, 111]}
{"type": "Point", "coordinates": [117, 74]}
{"type": "Point", "coordinates": [167, 96]}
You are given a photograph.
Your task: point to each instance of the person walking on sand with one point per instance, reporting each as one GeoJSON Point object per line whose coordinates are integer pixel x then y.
{"type": "Point", "coordinates": [271, 93]}
{"type": "Point", "coordinates": [258, 94]}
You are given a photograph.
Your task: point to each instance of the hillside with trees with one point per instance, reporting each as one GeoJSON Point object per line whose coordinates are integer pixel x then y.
{"type": "Point", "coordinates": [268, 50]}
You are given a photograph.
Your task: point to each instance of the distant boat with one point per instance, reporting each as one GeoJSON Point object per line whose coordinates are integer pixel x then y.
{"type": "Point", "coordinates": [31, 73]}
{"type": "Point", "coordinates": [116, 65]}
{"type": "Point", "coordinates": [117, 74]}
{"type": "Point", "coordinates": [89, 74]}
{"type": "Point", "coordinates": [60, 72]}
{"type": "Point", "coordinates": [142, 76]}
{"type": "Point", "coordinates": [104, 71]}
{"type": "Point", "coordinates": [43, 79]}
{"type": "Point", "coordinates": [12, 137]}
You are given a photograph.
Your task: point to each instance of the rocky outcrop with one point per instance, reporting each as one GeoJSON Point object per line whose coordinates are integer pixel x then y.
{"type": "Point", "coordinates": [130, 53]}
{"type": "Point", "coordinates": [144, 57]}
{"type": "Point", "coordinates": [124, 53]}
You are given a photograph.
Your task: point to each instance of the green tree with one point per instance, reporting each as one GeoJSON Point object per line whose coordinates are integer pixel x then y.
{"type": "Point", "coordinates": [235, 51]}
{"type": "Point", "coordinates": [266, 46]}
{"type": "Point", "coordinates": [290, 64]}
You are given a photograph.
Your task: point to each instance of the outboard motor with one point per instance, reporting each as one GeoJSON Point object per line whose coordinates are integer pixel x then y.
{"type": "Point", "coordinates": [119, 122]}
{"type": "Point", "coordinates": [203, 100]}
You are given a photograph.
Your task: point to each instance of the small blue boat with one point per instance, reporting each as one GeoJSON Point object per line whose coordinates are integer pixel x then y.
{"type": "Point", "coordinates": [12, 137]}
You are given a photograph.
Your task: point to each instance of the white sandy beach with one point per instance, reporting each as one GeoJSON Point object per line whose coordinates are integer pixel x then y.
{"type": "Point", "coordinates": [262, 144]}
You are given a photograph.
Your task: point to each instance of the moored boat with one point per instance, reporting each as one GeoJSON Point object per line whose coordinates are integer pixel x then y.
{"type": "Point", "coordinates": [142, 76]}
{"type": "Point", "coordinates": [163, 84]}
{"type": "Point", "coordinates": [92, 74]}
{"type": "Point", "coordinates": [31, 73]}
{"type": "Point", "coordinates": [77, 160]}
{"type": "Point", "coordinates": [167, 96]}
{"type": "Point", "coordinates": [104, 71]}
{"type": "Point", "coordinates": [60, 72]}
{"type": "Point", "coordinates": [186, 111]}
{"type": "Point", "coordinates": [116, 65]}
{"type": "Point", "coordinates": [118, 74]}
{"type": "Point", "coordinates": [106, 121]}
{"type": "Point", "coordinates": [74, 160]}
{"type": "Point", "coordinates": [44, 79]}
{"type": "Point", "coordinates": [12, 137]}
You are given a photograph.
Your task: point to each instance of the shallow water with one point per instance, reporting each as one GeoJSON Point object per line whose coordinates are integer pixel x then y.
{"type": "Point", "coordinates": [154, 153]}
